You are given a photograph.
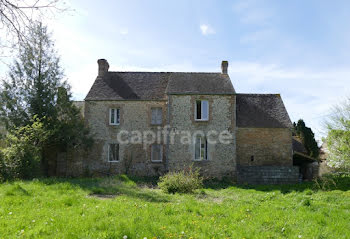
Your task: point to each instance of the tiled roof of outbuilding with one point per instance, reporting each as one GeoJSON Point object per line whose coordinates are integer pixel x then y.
{"type": "Point", "coordinates": [298, 146]}
{"type": "Point", "coordinates": [261, 111]}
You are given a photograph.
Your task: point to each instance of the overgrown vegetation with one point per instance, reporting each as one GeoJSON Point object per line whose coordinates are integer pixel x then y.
{"type": "Point", "coordinates": [338, 138]}
{"type": "Point", "coordinates": [23, 156]}
{"type": "Point", "coordinates": [121, 206]}
{"type": "Point", "coordinates": [184, 181]}
{"type": "Point", "coordinates": [35, 91]}
{"type": "Point", "coordinates": [307, 137]}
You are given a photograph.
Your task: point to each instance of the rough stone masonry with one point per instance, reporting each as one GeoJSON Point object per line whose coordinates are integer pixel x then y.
{"type": "Point", "coordinates": [259, 148]}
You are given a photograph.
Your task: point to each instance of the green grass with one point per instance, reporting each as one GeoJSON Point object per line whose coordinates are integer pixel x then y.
{"type": "Point", "coordinates": [68, 208]}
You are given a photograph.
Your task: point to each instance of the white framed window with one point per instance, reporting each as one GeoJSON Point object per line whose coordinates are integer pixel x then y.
{"type": "Point", "coordinates": [113, 152]}
{"type": "Point", "coordinates": [114, 116]}
{"type": "Point", "coordinates": [156, 153]}
{"type": "Point", "coordinates": [157, 116]}
{"type": "Point", "coordinates": [202, 110]}
{"type": "Point", "coordinates": [200, 148]}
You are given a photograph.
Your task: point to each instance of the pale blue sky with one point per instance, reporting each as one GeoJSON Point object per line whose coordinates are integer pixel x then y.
{"type": "Point", "coordinates": [300, 49]}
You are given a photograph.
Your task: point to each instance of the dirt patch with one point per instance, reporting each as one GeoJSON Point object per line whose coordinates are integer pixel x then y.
{"type": "Point", "coordinates": [102, 196]}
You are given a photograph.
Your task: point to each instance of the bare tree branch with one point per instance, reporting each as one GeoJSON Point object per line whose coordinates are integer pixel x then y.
{"type": "Point", "coordinates": [16, 17]}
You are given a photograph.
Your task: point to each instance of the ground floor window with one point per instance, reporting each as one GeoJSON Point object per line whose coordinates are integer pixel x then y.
{"type": "Point", "coordinates": [156, 153]}
{"type": "Point", "coordinates": [200, 148]}
{"type": "Point", "coordinates": [113, 153]}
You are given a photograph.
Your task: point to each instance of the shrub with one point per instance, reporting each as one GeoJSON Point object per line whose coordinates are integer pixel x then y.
{"type": "Point", "coordinates": [325, 183]}
{"type": "Point", "coordinates": [23, 155]}
{"type": "Point", "coordinates": [2, 167]}
{"type": "Point", "coordinates": [181, 182]}
{"type": "Point", "coordinates": [17, 190]}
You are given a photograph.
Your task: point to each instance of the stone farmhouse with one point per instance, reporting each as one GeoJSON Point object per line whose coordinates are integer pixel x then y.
{"type": "Point", "coordinates": [256, 127]}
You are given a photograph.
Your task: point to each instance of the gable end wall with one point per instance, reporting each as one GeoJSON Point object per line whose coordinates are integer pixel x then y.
{"type": "Point", "coordinates": [269, 146]}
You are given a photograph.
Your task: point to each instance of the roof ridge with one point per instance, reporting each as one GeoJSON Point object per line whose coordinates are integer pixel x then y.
{"type": "Point", "coordinates": [259, 94]}
{"type": "Point", "coordinates": [167, 72]}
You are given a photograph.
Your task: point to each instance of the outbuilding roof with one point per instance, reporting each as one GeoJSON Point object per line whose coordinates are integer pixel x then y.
{"type": "Point", "coordinates": [298, 145]}
{"type": "Point", "coordinates": [261, 111]}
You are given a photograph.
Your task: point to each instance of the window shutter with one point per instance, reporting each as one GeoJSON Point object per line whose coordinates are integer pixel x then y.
{"type": "Point", "coordinates": [156, 153]}
{"type": "Point", "coordinates": [111, 116]}
{"type": "Point", "coordinates": [117, 116]}
{"type": "Point", "coordinates": [197, 148]}
{"type": "Point", "coordinates": [206, 149]}
{"type": "Point", "coordinates": [205, 110]}
{"type": "Point", "coordinates": [159, 116]}
{"type": "Point", "coordinates": [116, 152]}
{"type": "Point", "coordinates": [154, 116]}
{"type": "Point", "coordinates": [198, 109]}
{"type": "Point", "coordinates": [111, 152]}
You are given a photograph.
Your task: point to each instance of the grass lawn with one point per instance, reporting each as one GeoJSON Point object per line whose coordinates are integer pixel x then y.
{"type": "Point", "coordinates": [118, 206]}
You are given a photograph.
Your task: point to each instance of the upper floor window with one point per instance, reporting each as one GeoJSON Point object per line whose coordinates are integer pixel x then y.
{"type": "Point", "coordinates": [157, 116]}
{"type": "Point", "coordinates": [157, 153]}
{"type": "Point", "coordinates": [200, 148]}
{"type": "Point", "coordinates": [202, 110]}
{"type": "Point", "coordinates": [113, 153]}
{"type": "Point", "coordinates": [114, 116]}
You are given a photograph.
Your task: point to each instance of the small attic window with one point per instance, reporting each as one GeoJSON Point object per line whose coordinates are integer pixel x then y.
{"type": "Point", "coordinates": [252, 158]}
{"type": "Point", "coordinates": [202, 110]}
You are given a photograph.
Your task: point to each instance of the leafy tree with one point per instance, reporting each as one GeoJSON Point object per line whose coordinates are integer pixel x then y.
{"type": "Point", "coordinates": [22, 157]}
{"type": "Point", "coordinates": [70, 130]}
{"type": "Point", "coordinates": [33, 80]}
{"type": "Point", "coordinates": [307, 137]}
{"type": "Point", "coordinates": [35, 89]}
{"type": "Point", "coordinates": [338, 137]}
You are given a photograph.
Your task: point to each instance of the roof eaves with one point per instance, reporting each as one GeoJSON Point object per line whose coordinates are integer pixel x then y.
{"type": "Point", "coordinates": [198, 93]}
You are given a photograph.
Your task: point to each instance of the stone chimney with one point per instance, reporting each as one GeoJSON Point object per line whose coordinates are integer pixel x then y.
{"type": "Point", "coordinates": [224, 66]}
{"type": "Point", "coordinates": [103, 67]}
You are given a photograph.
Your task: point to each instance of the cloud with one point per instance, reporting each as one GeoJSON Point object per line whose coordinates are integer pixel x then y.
{"type": "Point", "coordinates": [257, 36]}
{"type": "Point", "coordinates": [307, 93]}
{"type": "Point", "coordinates": [206, 29]}
{"type": "Point", "coordinates": [124, 31]}
{"type": "Point", "coordinates": [251, 12]}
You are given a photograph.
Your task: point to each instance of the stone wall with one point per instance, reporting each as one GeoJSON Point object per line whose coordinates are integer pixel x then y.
{"type": "Point", "coordinates": [247, 147]}
{"type": "Point", "coordinates": [222, 157]}
{"type": "Point", "coordinates": [268, 174]}
{"type": "Point", "coordinates": [264, 147]}
{"type": "Point", "coordinates": [134, 158]}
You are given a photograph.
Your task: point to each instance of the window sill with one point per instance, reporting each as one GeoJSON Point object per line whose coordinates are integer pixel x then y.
{"type": "Point", "coordinates": [114, 124]}
{"type": "Point", "coordinates": [113, 161]}
{"type": "Point", "coordinates": [200, 160]}
{"type": "Point", "coordinates": [161, 161]}
{"type": "Point", "coordinates": [201, 120]}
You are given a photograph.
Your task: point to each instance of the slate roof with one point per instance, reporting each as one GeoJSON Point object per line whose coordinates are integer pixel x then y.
{"type": "Point", "coordinates": [129, 86]}
{"type": "Point", "coordinates": [156, 85]}
{"type": "Point", "coordinates": [298, 146]}
{"type": "Point", "coordinates": [253, 110]}
{"type": "Point", "coordinates": [199, 83]}
{"type": "Point", "coordinates": [261, 111]}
